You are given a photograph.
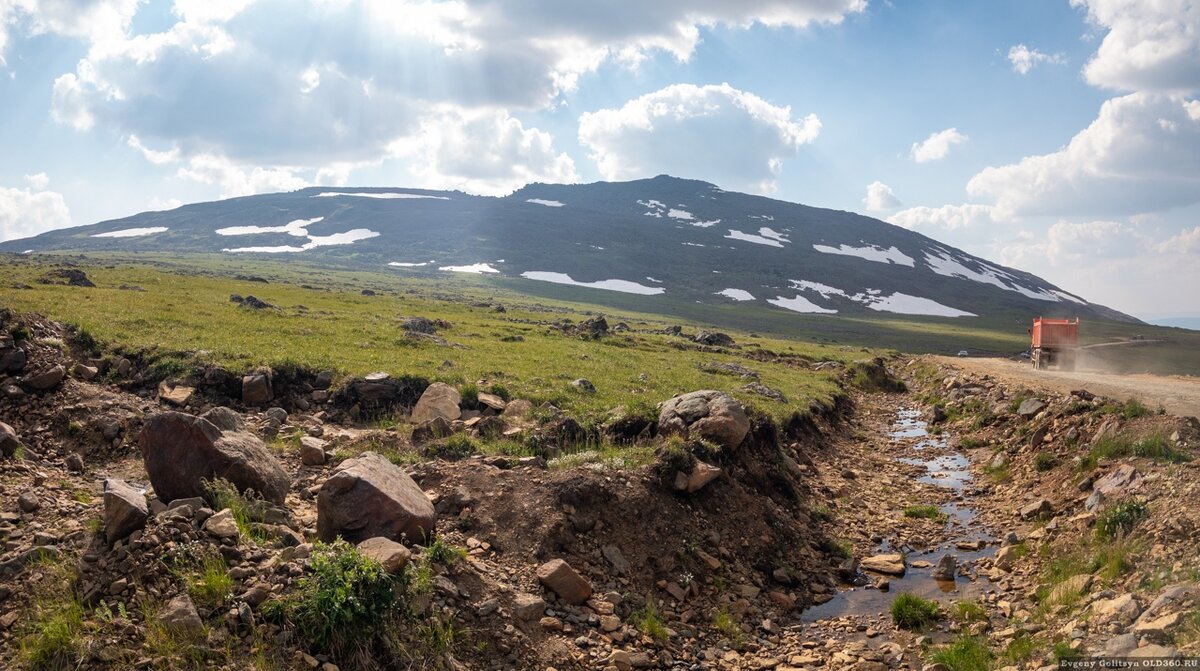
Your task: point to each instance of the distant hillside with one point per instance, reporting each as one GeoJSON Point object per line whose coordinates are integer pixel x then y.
{"type": "Point", "coordinates": [661, 237]}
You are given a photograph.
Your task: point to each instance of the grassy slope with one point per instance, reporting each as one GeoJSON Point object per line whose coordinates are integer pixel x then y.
{"type": "Point", "coordinates": [188, 310]}
{"type": "Point", "coordinates": [782, 330]}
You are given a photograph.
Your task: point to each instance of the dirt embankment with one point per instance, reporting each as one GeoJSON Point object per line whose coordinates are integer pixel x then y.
{"type": "Point", "coordinates": [1179, 394]}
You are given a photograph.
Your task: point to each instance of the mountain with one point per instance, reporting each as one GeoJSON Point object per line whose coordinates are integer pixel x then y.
{"type": "Point", "coordinates": [660, 237]}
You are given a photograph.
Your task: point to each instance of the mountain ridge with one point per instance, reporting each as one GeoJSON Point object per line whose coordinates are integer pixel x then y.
{"type": "Point", "coordinates": [657, 236]}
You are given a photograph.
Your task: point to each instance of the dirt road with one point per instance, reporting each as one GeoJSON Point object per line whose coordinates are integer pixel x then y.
{"type": "Point", "coordinates": [1179, 394]}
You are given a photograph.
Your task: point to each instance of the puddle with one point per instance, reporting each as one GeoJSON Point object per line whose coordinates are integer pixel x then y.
{"type": "Point", "coordinates": [950, 470]}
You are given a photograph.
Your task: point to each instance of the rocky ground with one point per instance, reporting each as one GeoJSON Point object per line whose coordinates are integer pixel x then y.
{"type": "Point", "coordinates": [698, 538]}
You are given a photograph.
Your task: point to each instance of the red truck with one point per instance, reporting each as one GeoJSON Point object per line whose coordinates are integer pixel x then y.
{"type": "Point", "coordinates": [1055, 343]}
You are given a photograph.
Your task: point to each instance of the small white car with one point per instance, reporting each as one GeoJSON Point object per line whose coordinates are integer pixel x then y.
{"type": "Point", "coordinates": [963, 352]}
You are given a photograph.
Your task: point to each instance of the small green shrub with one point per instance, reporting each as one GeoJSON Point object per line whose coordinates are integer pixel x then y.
{"type": "Point", "coordinates": [649, 621]}
{"type": "Point", "coordinates": [51, 639]}
{"type": "Point", "coordinates": [1120, 519]}
{"type": "Point", "coordinates": [728, 626]}
{"type": "Point", "coordinates": [442, 552]}
{"type": "Point", "coordinates": [1044, 461]}
{"type": "Point", "coordinates": [344, 604]}
{"type": "Point", "coordinates": [910, 611]}
{"type": "Point", "coordinates": [966, 653]}
{"type": "Point", "coordinates": [1133, 408]}
{"type": "Point", "coordinates": [925, 511]}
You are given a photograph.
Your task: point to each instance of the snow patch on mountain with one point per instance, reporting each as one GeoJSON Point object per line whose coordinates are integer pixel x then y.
{"type": "Point", "coordinates": [131, 232]}
{"type": "Point", "coordinates": [736, 294]}
{"type": "Point", "coordinates": [914, 305]}
{"type": "Point", "coordinates": [944, 264]}
{"type": "Point", "coordinates": [296, 227]}
{"type": "Point", "coordinates": [547, 203]}
{"type": "Point", "coordinates": [800, 304]}
{"type": "Point", "coordinates": [870, 253]}
{"type": "Point", "coordinates": [474, 269]}
{"type": "Point", "coordinates": [756, 239]}
{"type": "Point", "coordinates": [623, 286]}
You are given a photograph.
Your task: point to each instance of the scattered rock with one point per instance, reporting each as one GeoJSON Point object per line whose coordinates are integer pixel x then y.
{"type": "Point", "coordinates": [28, 502]}
{"type": "Point", "coordinates": [125, 509]}
{"type": "Point", "coordinates": [584, 385]}
{"type": "Point", "coordinates": [713, 338]}
{"type": "Point", "coordinates": [888, 564]}
{"type": "Point", "coordinates": [174, 393]}
{"type": "Point", "coordinates": [1035, 509]}
{"type": "Point", "coordinates": [9, 442]}
{"type": "Point", "coordinates": [222, 525]}
{"type": "Point", "coordinates": [701, 474]}
{"type": "Point", "coordinates": [312, 451]}
{"type": "Point", "coordinates": [708, 414]}
{"type": "Point", "coordinates": [528, 607]}
{"type": "Point", "coordinates": [564, 581]}
{"type": "Point", "coordinates": [1030, 408]}
{"type": "Point", "coordinates": [370, 496]}
{"type": "Point", "coordinates": [391, 554]}
{"type": "Point", "coordinates": [256, 388]}
{"type": "Point", "coordinates": [180, 616]}
{"type": "Point", "coordinates": [439, 400]}
{"type": "Point", "coordinates": [46, 379]}
{"type": "Point", "coordinates": [946, 568]}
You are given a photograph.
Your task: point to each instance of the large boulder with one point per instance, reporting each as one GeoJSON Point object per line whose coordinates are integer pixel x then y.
{"type": "Point", "coordinates": [181, 451]}
{"type": "Point", "coordinates": [439, 400]}
{"type": "Point", "coordinates": [125, 509]}
{"type": "Point", "coordinates": [708, 414]}
{"type": "Point", "coordinates": [370, 496]}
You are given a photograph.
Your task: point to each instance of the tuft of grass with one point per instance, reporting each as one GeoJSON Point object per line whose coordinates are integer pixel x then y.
{"type": "Point", "coordinates": [52, 638]}
{"type": "Point", "coordinates": [925, 511]}
{"type": "Point", "coordinates": [910, 611]}
{"type": "Point", "coordinates": [968, 611]}
{"type": "Point", "coordinates": [728, 626]}
{"type": "Point", "coordinates": [965, 653]}
{"type": "Point", "coordinates": [649, 620]}
{"type": "Point", "coordinates": [1154, 446]}
{"type": "Point", "coordinates": [998, 474]}
{"type": "Point", "coordinates": [1020, 650]}
{"type": "Point", "coordinates": [1063, 651]}
{"type": "Point", "coordinates": [209, 584]}
{"type": "Point", "coordinates": [1133, 409]}
{"type": "Point", "coordinates": [1044, 461]}
{"type": "Point", "coordinates": [1120, 519]}
{"type": "Point", "coordinates": [441, 552]}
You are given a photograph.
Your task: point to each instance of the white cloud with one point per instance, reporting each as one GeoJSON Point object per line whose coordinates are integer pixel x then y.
{"type": "Point", "coordinates": [239, 180]}
{"type": "Point", "coordinates": [1024, 59]}
{"type": "Point", "coordinates": [1151, 45]}
{"type": "Point", "coordinates": [1127, 161]}
{"type": "Point", "coordinates": [487, 153]}
{"type": "Point", "coordinates": [1113, 262]}
{"type": "Point", "coordinates": [880, 198]}
{"type": "Point", "coordinates": [937, 145]}
{"type": "Point", "coordinates": [310, 79]}
{"type": "Point", "coordinates": [714, 132]}
{"type": "Point", "coordinates": [98, 21]}
{"type": "Point", "coordinates": [32, 210]}
{"type": "Point", "coordinates": [945, 218]}
{"type": "Point", "coordinates": [38, 182]}
{"type": "Point", "coordinates": [155, 157]}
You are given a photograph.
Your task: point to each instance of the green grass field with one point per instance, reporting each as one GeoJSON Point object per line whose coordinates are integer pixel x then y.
{"type": "Point", "coordinates": [184, 314]}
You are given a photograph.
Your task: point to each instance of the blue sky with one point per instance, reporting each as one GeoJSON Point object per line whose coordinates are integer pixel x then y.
{"type": "Point", "coordinates": [1057, 136]}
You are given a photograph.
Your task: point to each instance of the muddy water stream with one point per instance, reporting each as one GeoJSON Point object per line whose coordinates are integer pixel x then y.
{"type": "Point", "coordinates": [945, 468]}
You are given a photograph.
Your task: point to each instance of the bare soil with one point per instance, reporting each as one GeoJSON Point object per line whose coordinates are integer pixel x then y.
{"type": "Point", "coordinates": [1179, 394]}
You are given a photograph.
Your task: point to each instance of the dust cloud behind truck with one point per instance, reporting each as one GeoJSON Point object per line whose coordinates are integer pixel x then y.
{"type": "Point", "coordinates": [1055, 343]}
